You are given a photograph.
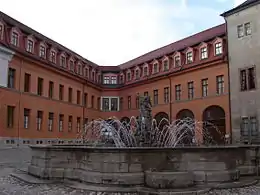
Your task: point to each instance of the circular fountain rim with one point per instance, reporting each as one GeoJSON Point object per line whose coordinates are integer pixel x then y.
{"type": "Point", "coordinates": [68, 147]}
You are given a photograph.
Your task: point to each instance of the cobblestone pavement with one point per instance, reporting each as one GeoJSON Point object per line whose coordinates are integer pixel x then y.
{"type": "Point", "coordinates": [13, 159]}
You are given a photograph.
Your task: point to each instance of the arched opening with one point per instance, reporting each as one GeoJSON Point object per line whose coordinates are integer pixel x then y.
{"type": "Point", "coordinates": [189, 133]}
{"type": "Point", "coordinates": [162, 119]}
{"type": "Point", "coordinates": [125, 120]}
{"type": "Point", "coordinates": [214, 124]}
{"type": "Point", "coordinates": [185, 113]}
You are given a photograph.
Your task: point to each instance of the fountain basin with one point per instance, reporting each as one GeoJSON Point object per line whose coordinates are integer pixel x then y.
{"type": "Point", "coordinates": [156, 168]}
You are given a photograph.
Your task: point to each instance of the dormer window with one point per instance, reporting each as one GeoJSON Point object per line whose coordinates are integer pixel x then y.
{"type": "Point", "coordinates": [53, 57]}
{"type": "Point", "coordinates": [121, 79]}
{"type": "Point", "coordinates": [113, 80]}
{"type": "Point", "coordinates": [166, 65]}
{"type": "Point", "coordinates": [93, 76]}
{"type": "Point", "coordinates": [42, 51]}
{"type": "Point", "coordinates": [189, 57]}
{"type": "Point", "coordinates": [79, 69]}
{"type": "Point", "coordinates": [155, 68]}
{"type": "Point", "coordinates": [177, 61]}
{"type": "Point", "coordinates": [99, 78]}
{"type": "Point", "coordinates": [86, 72]}
{"type": "Point", "coordinates": [106, 80]}
{"type": "Point", "coordinates": [72, 66]}
{"type": "Point", "coordinates": [63, 61]}
{"type": "Point", "coordinates": [137, 74]}
{"type": "Point", "coordinates": [29, 46]}
{"type": "Point", "coordinates": [15, 39]}
{"type": "Point", "coordinates": [1, 31]}
{"type": "Point", "coordinates": [145, 73]}
{"type": "Point", "coordinates": [129, 76]}
{"type": "Point", "coordinates": [203, 53]}
{"type": "Point", "coordinates": [218, 48]}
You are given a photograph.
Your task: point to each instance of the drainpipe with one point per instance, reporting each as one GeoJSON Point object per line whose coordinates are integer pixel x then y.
{"type": "Point", "coordinates": [170, 102]}
{"type": "Point", "coordinates": [19, 104]}
{"type": "Point", "coordinates": [229, 96]}
{"type": "Point", "coordinates": [83, 105]}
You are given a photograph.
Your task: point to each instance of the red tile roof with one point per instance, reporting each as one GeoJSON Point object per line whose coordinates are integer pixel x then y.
{"type": "Point", "coordinates": [206, 35]}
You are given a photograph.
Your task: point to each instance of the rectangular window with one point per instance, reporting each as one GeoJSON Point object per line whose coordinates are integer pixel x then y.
{"type": "Point", "coordinates": [240, 31]}
{"type": "Point", "coordinates": [220, 84]}
{"type": "Point", "coordinates": [11, 78]}
{"type": "Point", "coordinates": [248, 30]}
{"type": "Point", "coordinates": [129, 102]}
{"type": "Point", "coordinates": [10, 116]}
{"type": "Point", "coordinates": [40, 86]}
{"type": "Point", "coordinates": [70, 123]}
{"type": "Point", "coordinates": [78, 97]}
{"type": "Point", "coordinates": [70, 95]}
{"type": "Point", "coordinates": [85, 100]}
{"type": "Point", "coordinates": [218, 48]}
{"type": "Point", "coordinates": [15, 39]}
{"type": "Point", "coordinates": [137, 101]}
{"type": "Point", "coordinates": [166, 95]}
{"type": "Point", "coordinates": [177, 61]}
{"type": "Point", "coordinates": [39, 120]}
{"type": "Point", "coordinates": [121, 103]}
{"type": "Point", "coordinates": [92, 101]}
{"type": "Point", "coordinates": [204, 85]}
{"type": "Point", "coordinates": [98, 103]}
{"type": "Point", "coordinates": [42, 51]}
{"type": "Point", "coordinates": [189, 57]}
{"type": "Point", "coordinates": [203, 53]}
{"type": "Point", "coordinates": [29, 46]}
{"type": "Point", "coordinates": [145, 71]}
{"type": "Point", "coordinates": [85, 124]}
{"type": "Point", "coordinates": [155, 97]}
{"type": "Point", "coordinates": [27, 82]}
{"type": "Point", "coordinates": [53, 57]}
{"type": "Point", "coordinates": [106, 80]}
{"type": "Point", "coordinates": [26, 115]}
{"type": "Point", "coordinates": [165, 65]}
{"type": "Point", "coordinates": [50, 121]}
{"type": "Point", "coordinates": [61, 120]}
{"type": "Point", "coordinates": [247, 79]}
{"type": "Point", "coordinates": [114, 104]}
{"type": "Point", "coordinates": [190, 90]}
{"type": "Point", "coordinates": [113, 80]}
{"type": "Point", "coordinates": [51, 89]}
{"type": "Point", "coordinates": [146, 93]}
{"type": "Point", "coordinates": [63, 62]}
{"type": "Point", "coordinates": [155, 68]}
{"type": "Point", "coordinates": [249, 127]}
{"type": "Point", "coordinates": [78, 124]}
{"type": "Point", "coordinates": [105, 104]}
{"type": "Point", "coordinates": [251, 78]}
{"type": "Point", "coordinates": [61, 92]}
{"type": "Point", "coordinates": [177, 92]}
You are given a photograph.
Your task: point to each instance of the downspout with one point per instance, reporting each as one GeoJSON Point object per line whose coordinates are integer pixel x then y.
{"type": "Point", "coordinates": [83, 106]}
{"type": "Point", "coordinates": [19, 103]}
{"type": "Point", "coordinates": [229, 96]}
{"type": "Point", "coordinates": [170, 102]}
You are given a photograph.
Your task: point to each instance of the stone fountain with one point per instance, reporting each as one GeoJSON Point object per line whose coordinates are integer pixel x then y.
{"type": "Point", "coordinates": [142, 157]}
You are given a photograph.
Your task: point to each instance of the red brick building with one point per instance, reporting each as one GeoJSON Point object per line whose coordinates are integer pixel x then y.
{"type": "Point", "coordinates": [48, 92]}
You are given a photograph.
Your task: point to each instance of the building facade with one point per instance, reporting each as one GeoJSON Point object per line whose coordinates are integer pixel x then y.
{"type": "Point", "coordinates": [243, 32]}
{"type": "Point", "coordinates": [49, 93]}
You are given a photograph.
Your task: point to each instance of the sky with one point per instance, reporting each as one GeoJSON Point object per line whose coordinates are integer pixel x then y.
{"type": "Point", "coordinates": [111, 32]}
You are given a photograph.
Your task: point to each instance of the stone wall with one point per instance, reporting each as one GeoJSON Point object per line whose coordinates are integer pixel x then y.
{"type": "Point", "coordinates": [158, 168]}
